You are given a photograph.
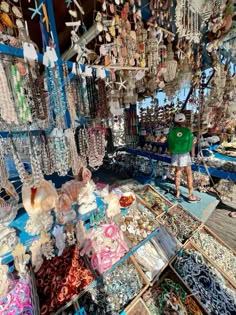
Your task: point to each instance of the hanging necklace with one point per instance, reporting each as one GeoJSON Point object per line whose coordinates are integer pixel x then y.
{"type": "Point", "coordinates": [8, 113]}
{"type": "Point", "coordinates": [35, 178]}
{"type": "Point", "coordinates": [70, 96]}
{"type": "Point", "coordinates": [76, 161]}
{"type": "Point", "coordinates": [46, 155]}
{"type": "Point", "coordinates": [60, 149]}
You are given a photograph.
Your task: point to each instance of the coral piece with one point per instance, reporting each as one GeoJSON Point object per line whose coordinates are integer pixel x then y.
{"type": "Point", "coordinates": [70, 234]}
{"type": "Point", "coordinates": [8, 240]}
{"type": "Point", "coordinates": [21, 259]}
{"type": "Point", "coordinates": [60, 239]}
{"type": "Point", "coordinates": [41, 222]}
{"type": "Point", "coordinates": [39, 199]}
{"type": "Point", "coordinates": [36, 255]}
{"type": "Point", "coordinates": [4, 279]}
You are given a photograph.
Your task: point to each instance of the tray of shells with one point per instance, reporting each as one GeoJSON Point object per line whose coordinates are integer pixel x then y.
{"type": "Point", "coordinates": [137, 224]}
{"type": "Point", "coordinates": [218, 253]}
{"type": "Point", "coordinates": [208, 285]}
{"type": "Point", "coordinates": [154, 200]}
{"type": "Point", "coordinates": [169, 295]}
{"type": "Point", "coordinates": [180, 222]}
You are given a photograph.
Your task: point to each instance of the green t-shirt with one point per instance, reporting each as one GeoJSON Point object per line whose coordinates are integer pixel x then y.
{"type": "Point", "coordinates": [180, 140]}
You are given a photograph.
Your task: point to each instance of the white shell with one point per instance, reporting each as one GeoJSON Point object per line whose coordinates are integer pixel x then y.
{"type": "Point", "coordinates": [4, 6]}
{"type": "Point", "coordinates": [17, 12]}
{"type": "Point", "coordinates": [73, 13]}
{"type": "Point", "coordinates": [19, 23]}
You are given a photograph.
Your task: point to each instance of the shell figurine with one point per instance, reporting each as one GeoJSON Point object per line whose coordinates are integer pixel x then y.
{"type": "Point", "coordinates": [39, 199]}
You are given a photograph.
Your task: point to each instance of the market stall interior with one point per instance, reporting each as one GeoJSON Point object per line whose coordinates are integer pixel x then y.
{"type": "Point", "coordinates": [89, 219]}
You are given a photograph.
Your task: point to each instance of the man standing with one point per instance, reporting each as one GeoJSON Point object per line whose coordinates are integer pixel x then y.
{"type": "Point", "coordinates": [180, 143]}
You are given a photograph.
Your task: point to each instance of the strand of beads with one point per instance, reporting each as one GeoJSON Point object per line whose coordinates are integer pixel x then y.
{"type": "Point", "coordinates": [46, 155]}
{"type": "Point", "coordinates": [24, 176]}
{"type": "Point", "coordinates": [61, 156]}
{"type": "Point", "coordinates": [96, 147]}
{"type": "Point", "coordinates": [8, 113]}
{"type": "Point", "coordinates": [35, 164]}
{"type": "Point", "coordinates": [82, 143]}
{"type": "Point", "coordinates": [76, 161]}
{"type": "Point", "coordinates": [24, 113]}
{"type": "Point", "coordinates": [70, 96]}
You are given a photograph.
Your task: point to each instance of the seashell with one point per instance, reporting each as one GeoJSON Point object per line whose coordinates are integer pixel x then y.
{"type": "Point", "coordinates": [73, 13]}
{"type": "Point", "coordinates": [13, 42]}
{"type": "Point", "coordinates": [6, 20]}
{"type": "Point", "coordinates": [64, 203]}
{"type": "Point", "coordinates": [17, 12]}
{"type": "Point", "coordinates": [19, 23]}
{"type": "Point", "coordinates": [39, 199]}
{"type": "Point", "coordinates": [72, 189]}
{"type": "Point", "coordinates": [11, 191]}
{"type": "Point", "coordinates": [4, 6]}
{"type": "Point", "coordinates": [86, 175]}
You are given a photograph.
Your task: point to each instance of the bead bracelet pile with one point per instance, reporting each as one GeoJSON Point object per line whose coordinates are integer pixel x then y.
{"type": "Point", "coordinates": [206, 282]}
{"type": "Point", "coordinates": [170, 297]}
{"type": "Point", "coordinates": [220, 254]}
{"type": "Point", "coordinates": [180, 223]}
{"type": "Point", "coordinates": [61, 278]}
{"type": "Point", "coordinates": [114, 292]}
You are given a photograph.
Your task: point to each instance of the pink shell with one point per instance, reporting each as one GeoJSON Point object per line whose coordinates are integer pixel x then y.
{"type": "Point", "coordinates": [64, 203]}
{"type": "Point", "coordinates": [72, 189]}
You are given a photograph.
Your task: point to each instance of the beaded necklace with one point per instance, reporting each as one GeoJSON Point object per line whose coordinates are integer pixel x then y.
{"type": "Point", "coordinates": [7, 108]}
{"type": "Point", "coordinates": [60, 149]}
{"type": "Point", "coordinates": [70, 96]}
{"type": "Point", "coordinates": [46, 155]}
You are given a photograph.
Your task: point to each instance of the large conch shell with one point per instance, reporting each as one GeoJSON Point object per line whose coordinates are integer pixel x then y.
{"type": "Point", "coordinates": [72, 189]}
{"type": "Point", "coordinates": [41, 199]}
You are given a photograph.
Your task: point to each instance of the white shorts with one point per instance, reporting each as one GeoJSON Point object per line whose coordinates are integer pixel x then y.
{"type": "Point", "coordinates": [181, 160]}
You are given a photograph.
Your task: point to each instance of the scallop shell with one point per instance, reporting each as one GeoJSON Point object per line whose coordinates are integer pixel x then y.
{"type": "Point", "coordinates": [17, 12]}
{"type": "Point", "coordinates": [72, 189]}
{"type": "Point", "coordinates": [6, 20]}
{"type": "Point", "coordinates": [4, 6]}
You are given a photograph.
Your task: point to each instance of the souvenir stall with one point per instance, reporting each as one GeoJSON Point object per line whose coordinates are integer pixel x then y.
{"type": "Point", "coordinates": [69, 243]}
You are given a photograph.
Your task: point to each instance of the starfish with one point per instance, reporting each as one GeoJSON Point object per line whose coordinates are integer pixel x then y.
{"type": "Point", "coordinates": [36, 10]}
{"type": "Point", "coordinates": [121, 84]}
{"type": "Point", "coordinates": [68, 3]}
{"type": "Point", "coordinates": [109, 84]}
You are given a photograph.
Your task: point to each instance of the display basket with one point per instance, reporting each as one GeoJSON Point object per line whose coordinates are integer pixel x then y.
{"type": "Point", "coordinates": [179, 220]}
{"type": "Point", "coordinates": [191, 246]}
{"type": "Point", "coordinates": [155, 201]}
{"type": "Point", "coordinates": [205, 230]}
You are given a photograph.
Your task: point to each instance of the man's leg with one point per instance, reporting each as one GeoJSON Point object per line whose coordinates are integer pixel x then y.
{"type": "Point", "coordinates": [188, 172]}
{"type": "Point", "coordinates": [178, 173]}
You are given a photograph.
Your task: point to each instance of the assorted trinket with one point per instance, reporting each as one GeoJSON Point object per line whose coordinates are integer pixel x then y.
{"type": "Point", "coordinates": [136, 225]}
{"type": "Point", "coordinates": [114, 292]}
{"type": "Point", "coordinates": [180, 223]}
{"type": "Point", "coordinates": [153, 200]}
{"type": "Point", "coordinates": [170, 296]}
